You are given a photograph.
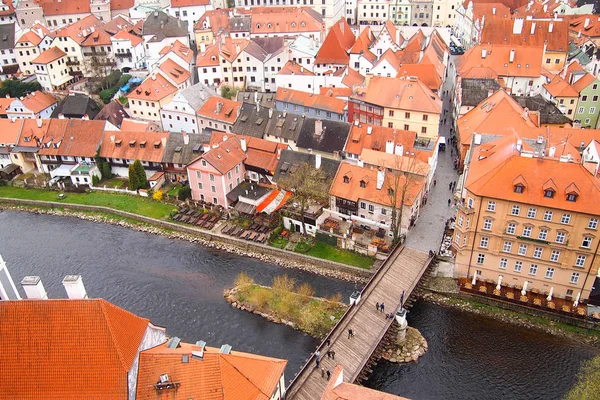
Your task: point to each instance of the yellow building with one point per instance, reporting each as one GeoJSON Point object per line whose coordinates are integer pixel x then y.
{"type": "Point", "coordinates": [528, 221]}
{"type": "Point", "coordinates": [563, 95]}
{"type": "Point", "coordinates": [146, 100]}
{"type": "Point", "coordinates": [51, 69]}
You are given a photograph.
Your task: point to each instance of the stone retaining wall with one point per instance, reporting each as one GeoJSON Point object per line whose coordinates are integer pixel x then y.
{"type": "Point", "coordinates": [279, 256]}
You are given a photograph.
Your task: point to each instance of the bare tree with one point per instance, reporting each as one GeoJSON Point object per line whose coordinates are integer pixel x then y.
{"type": "Point", "coordinates": [404, 174]}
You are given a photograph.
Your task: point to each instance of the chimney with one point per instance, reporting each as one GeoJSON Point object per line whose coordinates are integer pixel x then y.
{"type": "Point", "coordinates": [8, 290]}
{"type": "Point", "coordinates": [317, 161]}
{"type": "Point", "coordinates": [525, 113]}
{"type": "Point", "coordinates": [39, 121]}
{"type": "Point", "coordinates": [219, 107]}
{"type": "Point", "coordinates": [369, 130]}
{"type": "Point", "coordinates": [552, 151]}
{"type": "Point", "coordinates": [34, 288]}
{"type": "Point", "coordinates": [270, 113]}
{"type": "Point", "coordinates": [518, 26]}
{"type": "Point", "coordinates": [162, 25]}
{"type": "Point", "coordinates": [164, 141]}
{"type": "Point", "coordinates": [279, 154]}
{"type": "Point", "coordinates": [243, 144]}
{"type": "Point", "coordinates": [112, 139]}
{"type": "Point", "coordinates": [493, 10]}
{"type": "Point", "coordinates": [483, 53]}
{"type": "Point", "coordinates": [545, 7]}
{"type": "Point", "coordinates": [380, 178]}
{"type": "Point", "coordinates": [511, 58]}
{"type": "Point", "coordinates": [153, 77]}
{"type": "Point", "coordinates": [318, 127]}
{"type": "Point", "coordinates": [85, 117]}
{"type": "Point", "coordinates": [202, 48]}
{"type": "Point", "coordinates": [186, 138]}
{"type": "Point", "coordinates": [532, 27]}
{"type": "Point", "coordinates": [550, 27]}
{"type": "Point", "coordinates": [61, 116]}
{"type": "Point", "coordinates": [587, 22]}
{"type": "Point", "coordinates": [74, 286]}
{"type": "Point", "coordinates": [490, 92]}
{"type": "Point", "coordinates": [519, 145]}
{"type": "Point", "coordinates": [399, 149]}
{"type": "Point", "coordinates": [389, 147]}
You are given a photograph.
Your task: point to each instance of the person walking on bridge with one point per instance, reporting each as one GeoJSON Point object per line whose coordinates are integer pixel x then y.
{"type": "Point", "coordinates": [377, 306]}
{"type": "Point", "coordinates": [350, 333]}
{"type": "Point", "coordinates": [382, 306]}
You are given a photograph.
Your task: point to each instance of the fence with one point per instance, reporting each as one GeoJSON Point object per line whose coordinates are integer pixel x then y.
{"type": "Point", "coordinates": [115, 190]}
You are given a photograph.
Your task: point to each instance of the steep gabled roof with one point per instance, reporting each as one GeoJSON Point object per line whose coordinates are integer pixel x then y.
{"type": "Point", "coordinates": [558, 87]}
{"type": "Point", "coordinates": [336, 45]}
{"type": "Point", "coordinates": [49, 55]}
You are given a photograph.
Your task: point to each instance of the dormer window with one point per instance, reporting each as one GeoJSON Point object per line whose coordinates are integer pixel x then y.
{"type": "Point", "coordinates": [518, 188]}
{"type": "Point", "coordinates": [346, 179]}
{"type": "Point", "coordinates": [132, 144]}
{"type": "Point", "coordinates": [390, 192]}
{"type": "Point", "coordinates": [204, 163]}
{"type": "Point", "coordinates": [118, 143]}
{"type": "Point", "coordinates": [572, 197]}
{"type": "Point", "coordinates": [363, 184]}
{"type": "Point", "coordinates": [549, 193]}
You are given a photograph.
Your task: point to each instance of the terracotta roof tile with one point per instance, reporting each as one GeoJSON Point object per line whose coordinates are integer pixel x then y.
{"type": "Point", "coordinates": [174, 71]}
{"type": "Point", "coordinates": [189, 3]}
{"type": "Point", "coordinates": [31, 37]}
{"type": "Point", "coordinates": [527, 60]}
{"type": "Point", "coordinates": [47, 56]}
{"type": "Point", "coordinates": [273, 20]}
{"type": "Point", "coordinates": [260, 153]}
{"type": "Point", "coordinates": [425, 72]}
{"type": "Point", "coordinates": [38, 101]}
{"type": "Point", "coordinates": [72, 137]}
{"type": "Point", "coordinates": [80, 30]}
{"type": "Point", "coordinates": [363, 136]}
{"type": "Point", "coordinates": [363, 41]}
{"type": "Point", "coordinates": [352, 78]}
{"type": "Point", "coordinates": [133, 125]}
{"type": "Point", "coordinates": [318, 101]}
{"type": "Point", "coordinates": [336, 45]}
{"type": "Point", "coordinates": [56, 7]}
{"type": "Point", "coordinates": [31, 135]}
{"type": "Point", "coordinates": [121, 4]}
{"type": "Point", "coordinates": [224, 157]}
{"type": "Point", "coordinates": [4, 104]}
{"type": "Point", "coordinates": [339, 92]}
{"type": "Point", "coordinates": [154, 88]}
{"type": "Point", "coordinates": [137, 145]}
{"type": "Point", "coordinates": [553, 34]}
{"type": "Point", "coordinates": [402, 93]}
{"type": "Point", "coordinates": [210, 58]}
{"type": "Point", "coordinates": [392, 57]}
{"type": "Point", "coordinates": [558, 87]}
{"type": "Point", "coordinates": [583, 82]}
{"type": "Point", "coordinates": [337, 389]}
{"type": "Point", "coordinates": [10, 130]}
{"type": "Point", "coordinates": [180, 49]}
{"type": "Point", "coordinates": [228, 112]}
{"type": "Point", "coordinates": [97, 38]}
{"type": "Point", "coordinates": [67, 349]}
{"type": "Point", "coordinates": [123, 35]}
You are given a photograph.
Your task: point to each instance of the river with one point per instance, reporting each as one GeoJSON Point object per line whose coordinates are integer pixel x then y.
{"type": "Point", "coordinates": [180, 285]}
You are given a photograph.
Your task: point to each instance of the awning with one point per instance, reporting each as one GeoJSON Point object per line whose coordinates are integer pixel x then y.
{"type": "Point", "coordinates": [245, 208]}
{"type": "Point", "coordinates": [63, 170]}
{"type": "Point", "coordinates": [9, 169]}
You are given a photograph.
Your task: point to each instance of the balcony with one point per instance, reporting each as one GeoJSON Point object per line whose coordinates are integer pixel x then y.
{"type": "Point", "coordinates": [466, 210]}
{"type": "Point", "coordinates": [95, 53]}
{"type": "Point", "coordinates": [72, 63]}
{"type": "Point", "coordinates": [127, 54]}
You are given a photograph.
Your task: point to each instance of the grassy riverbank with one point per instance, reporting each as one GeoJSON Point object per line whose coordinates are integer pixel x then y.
{"type": "Point", "coordinates": [287, 303]}
{"type": "Point", "coordinates": [588, 382]}
{"type": "Point", "coordinates": [333, 253]}
{"type": "Point", "coordinates": [137, 205]}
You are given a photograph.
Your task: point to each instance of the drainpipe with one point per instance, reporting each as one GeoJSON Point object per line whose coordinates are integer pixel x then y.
{"type": "Point", "coordinates": [474, 236]}
{"type": "Point", "coordinates": [591, 265]}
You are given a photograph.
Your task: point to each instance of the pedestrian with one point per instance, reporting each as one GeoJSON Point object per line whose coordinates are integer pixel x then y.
{"type": "Point", "coordinates": [449, 202]}
{"type": "Point", "coordinates": [454, 185]}
{"type": "Point", "coordinates": [350, 333]}
{"type": "Point", "coordinates": [328, 374]}
{"type": "Point", "coordinates": [382, 307]}
{"type": "Point", "coordinates": [323, 372]}
{"type": "Point", "coordinates": [402, 298]}
{"type": "Point", "coordinates": [332, 354]}
{"type": "Point", "coordinates": [328, 342]}
{"type": "Point", "coordinates": [317, 362]}
{"type": "Point", "coordinates": [450, 185]}
{"type": "Point", "coordinates": [377, 306]}
{"type": "Point", "coordinates": [329, 355]}
{"type": "Point", "coordinates": [434, 182]}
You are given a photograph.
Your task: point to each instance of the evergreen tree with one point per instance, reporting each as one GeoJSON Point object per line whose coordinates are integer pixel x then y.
{"type": "Point", "coordinates": [142, 181]}
{"type": "Point", "coordinates": [133, 179]}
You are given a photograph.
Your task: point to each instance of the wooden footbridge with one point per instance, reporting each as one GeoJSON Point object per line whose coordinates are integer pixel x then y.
{"type": "Point", "coordinates": [401, 272]}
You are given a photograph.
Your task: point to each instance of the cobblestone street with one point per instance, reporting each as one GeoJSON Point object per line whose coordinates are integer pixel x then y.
{"type": "Point", "coordinates": [427, 234]}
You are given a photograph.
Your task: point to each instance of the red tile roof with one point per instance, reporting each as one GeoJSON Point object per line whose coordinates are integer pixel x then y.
{"type": "Point", "coordinates": [80, 30]}
{"type": "Point", "coordinates": [136, 145]}
{"type": "Point", "coordinates": [318, 101]}
{"type": "Point", "coordinates": [292, 68]}
{"type": "Point", "coordinates": [260, 153]}
{"type": "Point", "coordinates": [336, 45]}
{"type": "Point", "coordinates": [210, 58]}
{"type": "Point", "coordinates": [133, 125]}
{"type": "Point", "coordinates": [392, 57]}
{"type": "Point", "coordinates": [189, 3]}
{"type": "Point", "coordinates": [425, 72]}
{"type": "Point", "coordinates": [123, 35]}
{"type": "Point", "coordinates": [558, 87]}
{"type": "Point", "coordinates": [56, 7]}
{"type": "Point", "coordinates": [363, 136]}
{"type": "Point", "coordinates": [527, 60]}
{"type": "Point", "coordinates": [31, 135]}
{"type": "Point", "coordinates": [38, 101]}
{"type": "Point", "coordinates": [273, 20]}
{"type": "Point", "coordinates": [224, 157]}
{"type": "Point", "coordinates": [121, 4]}
{"type": "Point", "coordinates": [337, 389]}
{"type": "Point", "coordinates": [72, 137]}
{"type": "Point", "coordinates": [339, 92]}
{"type": "Point", "coordinates": [180, 49]}
{"type": "Point", "coordinates": [363, 41]}
{"type": "Point", "coordinates": [31, 37]}
{"type": "Point", "coordinates": [49, 55]}
{"type": "Point", "coordinates": [228, 110]}
{"type": "Point", "coordinates": [402, 93]}
{"type": "Point", "coordinates": [583, 82]}
{"type": "Point", "coordinates": [10, 130]}
{"type": "Point", "coordinates": [217, 376]}
{"type": "Point", "coordinates": [67, 349]}
{"type": "Point", "coordinates": [553, 34]}
{"type": "Point", "coordinates": [155, 88]}
{"type": "Point", "coordinates": [97, 38]}
{"type": "Point", "coordinates": [352, 78]}
{"type": "Point", "coordinates": [174, 71]}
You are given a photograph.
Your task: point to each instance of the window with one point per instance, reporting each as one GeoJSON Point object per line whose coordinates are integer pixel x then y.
{"type": "Point", "coordinates": [580, 110]}
{"type": "Point", "coordinates": [549, 273]}
{"type": "Point", "coordinates": [460, 220]}
{"type": "Point", "coordinates": [565, 219]}
{"type": "Point", "coordinates": [531, 213]}
{"type": "Point", "coordinates": [518, 266]}
{"type": "Point", "coordinates": [554, 255]}
{"type": "Point", "coordinates": [363, 205]}
{"type": "Point", "coordinates": [457, 238]}
{"type": "Point", "coordinates": [522, 249]}
{"type": "Point", "coordinates": [391, 113]}
{"type": "Point", "coordinates": [580, 261]}
{"type": "Point", "coordinates": [560, 237]}
{"type": "Point", "coordinates": [229, 175]}
{"type": "Point", "coordinates": [204, 163]}
{"type": "Point", "coordinates": [518, 189]}
{"type": "Point", "coordinates": [503, 263]}
{"type": "Point", "coordinates": [593, 109]}
{"type": "Point", "coordinates": [198, 174]}
{"type": "Point", "coordinates": [407, 115]}
{"type": "Point", "coordinates": [480, 258]}
{"type": "Point", "coordinates": [549, 193]}
{"type": "Point", "coordinates": [511, 228]}
{"type": "Point", "coordinates": [423, 129]}
{"type": "Point", "coordinates": [468, 224]}
{"type": "Point", "coordinates": [548, 216]}
{"type": "Point", "coordinates": [586, 242]}
{"type": "Point", "coordinates": [543, 234]}
{"type": "Point", "coordinates": [425, 117]}
{"type": "Point", "coordinates": [548, 61]}
{"type": "Point", "coordinates": [527, 231]}
{"type": "Point", "coordinates": [507, 247]}
{"type": "Point", "coordinates": [515, 210]}
{"type": "Point", "coordinates": [574, 278]}
{"type": "Point", "coordinates": [383, 211]}
{"type": "Point", "coordinates": [487, 224]}
{"type": "Point", "coordinates": [200, 185]}
{"type": "Point", "coordinates": [572, 197]}
{"type": "Point", "coordinates": [533, 269]}
{"type": "Point", "coordinates": [213, 188]}
{"type": "Point", "coordinates": [237, 169]}
{"type": "Point", "coordinates": [593, 223]}
{"type": "Point", "coordinates": [583, 98]}
{"type": "Point", "coordinates": [470, 202]}
{"type": "Point", "coordinates": [215, 200]}
{"type": "Point", "coordinates": [371, 208]}
{"type": "Point", "coordinates": [484, 242]}
{"type": "Point", "coordinates": [537, 252]}
{"type": "Point", "coordinates": [491, 206]}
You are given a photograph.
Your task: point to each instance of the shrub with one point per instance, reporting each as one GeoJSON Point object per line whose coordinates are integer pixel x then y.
{"type": "Point", "coordinates": [283, 283]}
{"type": "Point", "coordinates": [302, 247]}
{"type": "Point", "coordinates": [305, 291]}
{"type": "Point", "coordinates": [260, 297]}
{"type": "Point", "coordinates": [105, 170]}
{"type": "Point", "coordinates": [133, 179]}
{"type": "Point", "coordinates": [243, 279]}
{"type": "Point", "coordinates": [95, 180]}
{"type": "Point", "coordinates": [107, 94]}
{"type": "Point", "coordinates": [588, 381]}
{"type": "Point", "coordinates": [184, 193]}
{"type": "Point", "coordinates": [142, 180]}
{"type": "Point", "coordinates": [158, 195]}
{"type": "Point", "coordinates": [336, 298]}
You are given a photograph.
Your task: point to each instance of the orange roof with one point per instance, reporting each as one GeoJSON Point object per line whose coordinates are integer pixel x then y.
{"type": "Point", "coordinates": [31, 135]}
{"type": "Point", "coordinates": [558, 87]}
{"type": "Point", "coordinates": [219, 20]}
{"type": "Point", "coordinates": [352, 78]}
{"type": "Point", "coordinates": [31, 37]}
{"type": "Point", "coordinates": [318, 101]}
{"type": "Point", "coordinates": [189, 3]}
{"type": "Point", "coordinates": [123, 35]}
{"type": "Point", "coordinates": [4, 104]}
{"type": "Point", "coordinates": [409, 164]}
{"type": "Point", "coordinates": [97, 38]}
{"type": "Point", "coordinates": [47, 56]}
{"type": "Point", "coordinates": [156, 87]}
{"type": "Point", "coordinates": [363, 136]}
{"type": "Point", "coordinates": [217, 376]}
{"type": "Point", "coordinates": [180, 49]}
{"type": "Point", "coordinates": [498, 170]}
{"type": "Point", "coordinates": [402, 93]}
{"type": "Point", "coordinates": [72, 137]}
{"type": "Point", "coordinates": [228, 111]}
{"type": "Point", "coordinates": [10, 130]}
{"type": "Point", "coordinates": [137, 145]}
{"type": "Point", "coordinates": [9, 5]}
{"type": "Point", "coordinates": [354, 191]}
{"type": "Point", "coordinates": [174, 71]}
{"type": "Point", "coordinates": [38, 101]}
{"type": "Point", "coordinates": [55, 7]}
{"type": "Point", "coordinates": [411, 52]}
{"type": "Point", "coordinates": [121, 4]}
{"type": "Point", "coordinates": [336, 45]}
{"type": "Point", "coordinates": [133, 125]}
{"type": "Point", "coordinates": [592, 29]}
{"type": "Point", "coordinates": [224, 157]}
{"type": "Point", "coordinates": [527, 60]}
{"type": "Point", "coordinates": [67, 349]}
{"type": "Point", "coordinates": [425, 72]}
{"type": "Point", "coordinates": [363, 41]}
{"type": "Point", "coordinates": [272, 20]}
{"type": "Point", "coordinates": [337, 389]}
{"type": "Point", "coordinates": [392, 57]}
{"type": "Point", "coordinates": [553, 34]}
{"type": "Point", "coordinates": [260, 153]}
{"type": "Point", "coordinates": [210, 58]}
{"type": "Point", "coordinates": [487, 9]}
{"type": "Point", "coordinates": [338, 92]}
{"type": "Point", "coordinates": [230, 48]}
{"type": "Point", "coordinates": [79, 30]}
{"type": "Point", "coordinates": [583, 82]}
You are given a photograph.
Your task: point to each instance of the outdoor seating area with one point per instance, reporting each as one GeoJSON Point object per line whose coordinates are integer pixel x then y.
{"type": "Point", "coordinates": [532, 298]}
{"type": "Point", "coordinates": [255, 232]}
{"type": "Point", "coordinates": [196, 217]}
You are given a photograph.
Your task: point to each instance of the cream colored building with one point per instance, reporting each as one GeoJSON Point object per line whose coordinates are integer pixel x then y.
{"type": "Point", "coordinates": [372, 12]}
{"type": "Point", "coordinates": [444, 13]}
{"type": "Point", "coordinates": [146, 100]}
{"type": "Point", "coordinates": [51, 69]}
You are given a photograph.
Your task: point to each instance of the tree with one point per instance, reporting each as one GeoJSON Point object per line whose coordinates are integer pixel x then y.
{"type": "Point", "coordinates": [133, 179]}
{"type": "Point", "coordinates": [140, 173]}
{"type": "Point", "coordinates": [16, 88]}
{"type": "Point", "coordinates": [101, 71]}
{"type": "Point", "coordinates": [184, 193]}
{"type": "Point", "coordinates": [227, 92]}
{"type": "Point", "coordinates": [105, 170]}
{"type": "Point", "coordinates": [306, 183]}
{"type": "Point", "coordinates": [403, 175]}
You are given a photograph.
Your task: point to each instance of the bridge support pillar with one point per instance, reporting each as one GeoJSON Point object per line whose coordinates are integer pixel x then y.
{"type": "Point", "coordinates": [401, 336]}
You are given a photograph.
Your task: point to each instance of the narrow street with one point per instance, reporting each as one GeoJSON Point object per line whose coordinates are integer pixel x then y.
{"type": "Point", "coordinates": [427, 234]}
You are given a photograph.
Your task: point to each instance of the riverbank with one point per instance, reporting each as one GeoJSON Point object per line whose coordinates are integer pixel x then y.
{"type": "Point", "coordinates": [131, 223]}
{"type": "Point", "coordinates": [451, 298]}
{"type": "Point", "coordinates": [285, 304]}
